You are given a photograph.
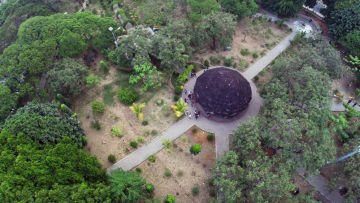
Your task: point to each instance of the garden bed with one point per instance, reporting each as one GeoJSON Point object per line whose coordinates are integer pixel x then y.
{"type": "Point", "coordinates": [176, 171]}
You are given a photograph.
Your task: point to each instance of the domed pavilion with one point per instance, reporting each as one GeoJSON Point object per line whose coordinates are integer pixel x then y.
{"type": "Point", "coordinates": [222, 93]}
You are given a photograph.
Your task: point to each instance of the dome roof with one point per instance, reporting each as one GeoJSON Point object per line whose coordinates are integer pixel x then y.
{"type": "Point", "coordinates": [222, 92]}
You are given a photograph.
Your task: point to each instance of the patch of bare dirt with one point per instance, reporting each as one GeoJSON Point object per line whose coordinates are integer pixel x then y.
{"type": "Point", "coordinates": [187, 170]}
{"type": "Point", "coordinates": [256, 36]}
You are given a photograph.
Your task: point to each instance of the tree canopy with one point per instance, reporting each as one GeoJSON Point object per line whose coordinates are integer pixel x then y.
{"type": "Point", "coordinates": [45, 123]}
{"type": "Point", "coordinates": [239, 8]}
{"type": "Point", "coordinates": [52, 173]}
{"type": "Point", "coordinates": [284, 8]}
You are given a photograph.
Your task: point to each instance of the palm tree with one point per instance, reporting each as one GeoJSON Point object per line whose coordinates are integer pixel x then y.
{"type": "Point", "coordinates": [179, 108]}
{"type": "Point", "coordinates": [137, 108]}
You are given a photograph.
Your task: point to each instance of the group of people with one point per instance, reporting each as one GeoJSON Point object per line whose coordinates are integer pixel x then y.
{"type": "Point", "coordinates": [188, 98]}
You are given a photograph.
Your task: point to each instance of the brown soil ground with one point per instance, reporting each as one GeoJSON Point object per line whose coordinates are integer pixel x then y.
{"type": "Point", "coordinates": [258, 37]}
{"type": "Point", "coordinates": [100, 142]}
{"type": "Point", "coordinates": [196, 170]}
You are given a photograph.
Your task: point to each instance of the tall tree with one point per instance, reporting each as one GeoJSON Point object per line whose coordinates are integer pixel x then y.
{"type": "Point", "coordinates": [284, 8]}
{"type": "Point", "coordinates": [240, 8]}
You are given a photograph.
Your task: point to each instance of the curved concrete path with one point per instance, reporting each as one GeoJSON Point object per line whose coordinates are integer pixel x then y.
{"type": "Point", "coordinates": [222, 130]}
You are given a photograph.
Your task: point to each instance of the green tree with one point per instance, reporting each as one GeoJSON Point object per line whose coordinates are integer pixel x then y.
{"type": "Point", "coordinates": [71, 44]}
{"type": "Point", "coordinates": [8, 102]}
{"type": "Point", "coordinates": [240, 8]}
{"type": "Point", "coordinates": [45, 124]}
{"type": "Point", "coordinates": [219, 28]}
{"type": "Point", "coordinates": [67, 77]}
{"type": "Point", "coordinates": [52, 173]}
{"type": "Point", "coordinates": [127, 186]}
{"type": "Point", "coordinates": [146, 74]}
{"type": "Point", "coordinates": [284, 8]}
{"type": "Point", "coordinates": [201, 8]}
{"type": "Point", "coordinates": [352, 42]}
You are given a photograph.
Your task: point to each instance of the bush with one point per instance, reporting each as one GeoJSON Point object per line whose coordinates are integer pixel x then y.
{"type": "Point", "coordinates": [111, 158]}
{"type": "Point", "coordinates": [92, 80]}
{"type": "Point", "coordinates": [127, 96]}
{"type": "Point", "coordinates": [133, 144]}
{"type": "Point", "coordinates": [206, 63]}
{"type": "Point", "coordinates": [195, 190]}
{"type": "Point", "coordinates": [228, 61]}
{"type": "Point", "coordinates": [256, 78]}
{"type": "Point", "coordinates": [104, 66]}
{"type": "Point", "coordinates": [98, 107]}
{"type": "Point", "coordinates": [140, 139]}
{"type": "Point", "coordinates": [170, 198]}
{"type": "Point", "coordinates": [149, 188]}
{"type": "Point", "coordinates": [210, 137]}
{"type": "Point", "coordinates": [183, 77]}
{"type": "Point", "coordinates": [152, 158]}
{"type": "Point", "coordinates": [178, 90]}
{"type": "Point", "coordinates": [244, 52]}
{"type": "Point", "coordinates": [195, 149]}
{"type": "Point", "coordinates": [145, 123]}
{"type": "Point", "coordinates": [138, 170]}
{"type": "Point", "coordinates": [255, 55]}
{"type": "Point", "coordinates": [167, 173]}
{"type": "Point", "coordinates": [180, 173]}
{"type": "Point", "coordinates": [154, 132]}
{"type": "Point", "coordinates": [215, 60]}
{"type": "Point", "coordinates": [116, 132]}
{"type": "Point", "coordinates": [96, 124]}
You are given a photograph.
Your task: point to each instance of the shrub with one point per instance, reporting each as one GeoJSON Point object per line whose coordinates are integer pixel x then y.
{"type": "Point", "coordinates": [180, 173]}
{"type": "Point", "coordinates": [228, 61]}
{"type": "Point", "coordinates": [152, 158]}
{"type": "Point", "coordinates": [167, 144]}
{"type": "Point", "coordinates": [92, 80]}
{"type": "Point", "coordinates": [127, 96]}
{"type": "Point", "coordinates": [179, 108]}
{"type": "Point", "coordinates": [183, 77]}
{"type": "Point", "coordinates": [243, 64]}
{"type": "Point", "coordinates": [170, 198]}
{"type": "Point", "coordinates": [116, 132]}
{"type": "Point", "coordinates": [215, 60]}
{"type": "Point", "coordinates": [140, 139]}
{"type": "Point", "coordinates": [255, 55]}
{"type": "Point", "coordinates": [145, 123]}
{"type": "Point", "coordinates": [244, 52]}
{"type": "Point", "coordinates": [149, 188]}
{"type": "Point", "coordinates": [195, 149]}
{"type": "Point", "coordinates": [133, 144]}
{"type": "Point", "coordinates": [206, 63]}
{"type": "Point", "coordinates": [104, 66]}
{"type": "Point", "coordinates": [96, 124]}
{"type": "Point", "coordinates": [98, 107]}
{"type": "Point", "coordinates": [167, 173]}
{"type": "Point", "coordinates": [256, 78]}
{"type": "Point", "coordinates": [138, 170]}
{"type": "Point", "coordinates": [154, 132]}
{"type": "Point", "coordinates": [178, 89]}
{"type": "Point", "coordinates": [194, 130]}
{"type": "Point", "coordinates": [111, 158]}
{"type": "Point", "coordinates": [195, 190]}
{"type": "Point", "coordinates": [210, 137]}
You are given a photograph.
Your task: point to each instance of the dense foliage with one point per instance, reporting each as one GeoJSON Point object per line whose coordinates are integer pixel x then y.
{"type": "Point", "coordinates": [41, 40]}
{"type": "Point", "coordinates": [240, 8]}
{"type": "Point", "coordinates": [53, 173]}
{"type": "Point", "coordinates": [7, 102]}
{"type": "Point", "coordinates": [284, 8]}
{"type": "Point", "coordinates": [291, 132]}
{"type": "Point", "coordinates": [127, 186]}
{"type": "Point", "coordinates": [45, 124]}
{"type": "Point", "coordinates": [67, 77]}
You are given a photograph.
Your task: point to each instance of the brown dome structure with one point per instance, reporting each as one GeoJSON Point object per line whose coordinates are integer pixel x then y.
{"type": "Point", "coordinates": [222, 92]}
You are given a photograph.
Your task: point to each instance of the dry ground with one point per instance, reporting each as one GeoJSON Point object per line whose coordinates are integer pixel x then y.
{"type": "Point", "coordinates": [187, 170]}
{"type": "Point", "coordinates": [100, 142]}
{"type": "Point", "coordinates": [257, 36]}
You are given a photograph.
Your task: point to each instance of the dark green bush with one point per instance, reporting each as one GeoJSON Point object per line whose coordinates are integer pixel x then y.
{"type": "Point", "coordinates": [111, 158]}
{"type": "Point", "coordinates": [167, 173]}
{"type": "Point", "coordinates": [210, 137]}
{"type": "Point", "coordinates": [215, 60]}
{"type": "Point", "coordinates": [127, 96]}
{"type": "Point", "coordinates": [206, 63]}
{"type": "Point", "coordinates": [133, 144]}
{"type": "Point", "coordinates": [152, 158]}
{"type": "Point", "coordinates": [149, 188]}
{"type": "Point", "coordinates": [195, 190]}
{"type": "Point", "coordinates": [145, 123]}
{"type": "Point", "coordinates": [195, 149]}
{"type": "Point", "coordinates": [138, 170]}
{"type": "Point", "coordinates": [98, 106]}
{"type": "Point", "coordinates": [96, 124]}
{"type": "Point", "coordinates": [228, 61]}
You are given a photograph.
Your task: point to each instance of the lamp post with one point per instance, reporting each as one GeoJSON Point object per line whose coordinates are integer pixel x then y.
{"type": "Point", "coordinates": [111, 29]}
